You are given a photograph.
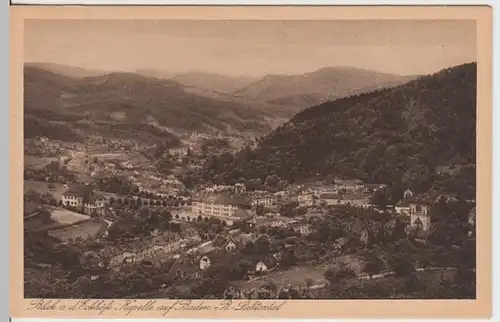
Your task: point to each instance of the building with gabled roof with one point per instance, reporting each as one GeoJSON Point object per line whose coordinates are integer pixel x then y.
{"type": "Point", "coordinates": [266, 264]}
{"type": "Point", "coordinates": [95, 203]}
{"type": "Point", "coordinates": [75, 195]}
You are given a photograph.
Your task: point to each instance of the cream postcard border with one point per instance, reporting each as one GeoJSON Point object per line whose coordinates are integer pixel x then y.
{"type": "Point", "coordinates": [479, 308]}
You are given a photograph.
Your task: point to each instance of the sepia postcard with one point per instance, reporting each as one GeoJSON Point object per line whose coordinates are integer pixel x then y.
{"type": "Point", "coordinates": [251, 162]}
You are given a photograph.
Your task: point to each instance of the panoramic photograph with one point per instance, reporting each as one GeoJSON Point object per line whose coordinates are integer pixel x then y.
{"type": "Point", "coordinates": [249, 159]}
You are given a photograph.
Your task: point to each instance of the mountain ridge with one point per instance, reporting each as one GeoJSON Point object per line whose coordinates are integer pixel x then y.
{"type": "Point", "coordinates": [396, 136]}
{"type": "Point", "coordinates": [324, 84]}
{"type": "Point", "coordinates": [125, 97]}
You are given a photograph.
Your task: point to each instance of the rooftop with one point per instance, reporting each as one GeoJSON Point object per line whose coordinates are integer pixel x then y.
{"type": "Point", "coordinates": [95, 197]}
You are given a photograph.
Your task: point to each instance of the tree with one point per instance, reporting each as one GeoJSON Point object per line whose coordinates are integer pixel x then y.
{"type": "Point", "coordinates": [401, 266]}
{"type": "Point", "coordinates": [259, 210]}
{"type": "Point", "coordinates": [379, 199]}
{"type": "Point", "coordinates": [262, 245]}
{"type": "Point", "coordinates": [270, 286]}
{"type": "Point", "coordinates": [372, 267]}
{"type": "Point", "coordinates": [338, 272]}
{"type": "Point", "coordinates": [45, 216]}
{"type": "Point", "coordinates": [439, 211]}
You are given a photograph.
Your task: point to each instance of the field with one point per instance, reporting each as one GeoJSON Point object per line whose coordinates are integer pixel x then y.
{"type": "Point", "coordinates": [89, 228]}
{"type": "Point", "coordinates": [43, 187]}
{"type": "Point", "coordinates": [295, 276]}
{"type": "Point", "coordinates": [133, 157]}
{"type": "Point", "coordinates": [66, 217]}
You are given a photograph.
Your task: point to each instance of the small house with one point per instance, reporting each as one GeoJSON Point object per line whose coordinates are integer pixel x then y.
{"type": "Point", "coordinates": [306, 199]}
{"type": "Point", "coordinates": [261, 267]}
{"type": "Point", "coordinates": [95, 203]}
{"type": "Point", "coordinates": [348, 185]}
{"type": "Point", "coordinates": [205, 262]}
{"type": "Point", "coordinates": [230, 245]}
{"type": "Point", "coordinates": [265, 265]}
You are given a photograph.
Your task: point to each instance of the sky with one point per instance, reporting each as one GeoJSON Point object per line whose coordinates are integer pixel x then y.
{"type": "Point", "coordinates": [252, 48]}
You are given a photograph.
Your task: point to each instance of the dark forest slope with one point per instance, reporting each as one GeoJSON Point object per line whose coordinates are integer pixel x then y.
{"type": "Point", "coordinates": [398, 135]}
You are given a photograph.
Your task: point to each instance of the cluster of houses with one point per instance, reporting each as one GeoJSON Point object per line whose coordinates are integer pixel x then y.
{"type": "Point", "coordinates": [236, 188]}
{"type": "Point", "coordinates": [234, 204]}
{"type": "Point", "coordinates": [90, 202]}
{"type": "Point", "coordinates": [82, 197]}
{"type": "Point", "coordinates": [159, 187]}
{"type": "Point", "coordinates": [341, 192]}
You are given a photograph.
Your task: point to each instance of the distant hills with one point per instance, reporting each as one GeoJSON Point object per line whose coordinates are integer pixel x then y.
{"type": "Point", "coordinates": [106, 103]}
{"type": "Point", "coordinates": [292, 92]}
{"type": "Point", "coordinates": [397, 135]}
{"type": "Point", "coordinates": [66, 70]}
{"type": "Point", "coordinates": [214, 82]}
{"type": "Point", "coordinates": [279, 95]}
{"type": "Point", "coordinates": [319, 86]}
{"type": "Point", "coordinates": [97, 100]}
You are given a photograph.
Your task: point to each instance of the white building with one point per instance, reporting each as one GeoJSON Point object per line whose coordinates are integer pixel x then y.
{"type": "Point", "coordinates": [348, 185]}
{"type": "Point", "coordinates": [349, 199]}
{"type": "Point", "coordinates": [306, 199]}
{"type": "Point", "coordinates": [403, 208]}
{"type": "Point", "coordinates": [74, 197]}
{"type": "Point", "coordinates": [419, 216]}
{"type": "Point", "coordinates": [218, 206]}
{"type": "Point", "coordinates": [266, 201]}
{"type": "Point", "coordinates": [95, 203]}
{"type": "Point", "coordinates": [261, 267]}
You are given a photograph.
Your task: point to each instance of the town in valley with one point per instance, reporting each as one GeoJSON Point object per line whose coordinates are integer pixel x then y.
{"type": "Point", "coordinates": [139, 185]}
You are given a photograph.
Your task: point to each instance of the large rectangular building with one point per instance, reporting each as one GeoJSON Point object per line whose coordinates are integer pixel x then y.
{"type": "Point", "coordinates": [218, 206]}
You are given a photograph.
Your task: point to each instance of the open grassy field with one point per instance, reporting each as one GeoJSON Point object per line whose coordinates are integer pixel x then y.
{"type": "Point", "coordinates": [66, 217]}
{"type": "Point", "coordinates": [43, 187]}
{"type": "Point", "coordinates": [60, 218]}
{"type": "Point", "coordinates": [133, 157]}
{"type": "Point", "coordinates": [86, 229]}
{"type": "Point", "coordinates": [295, 276]}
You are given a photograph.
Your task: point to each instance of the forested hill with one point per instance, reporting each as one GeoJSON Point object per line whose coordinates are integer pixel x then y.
{"type": "Point", "coordinates": [398, 135]}
{"type": "Point", "coordinates": [115, 102]}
